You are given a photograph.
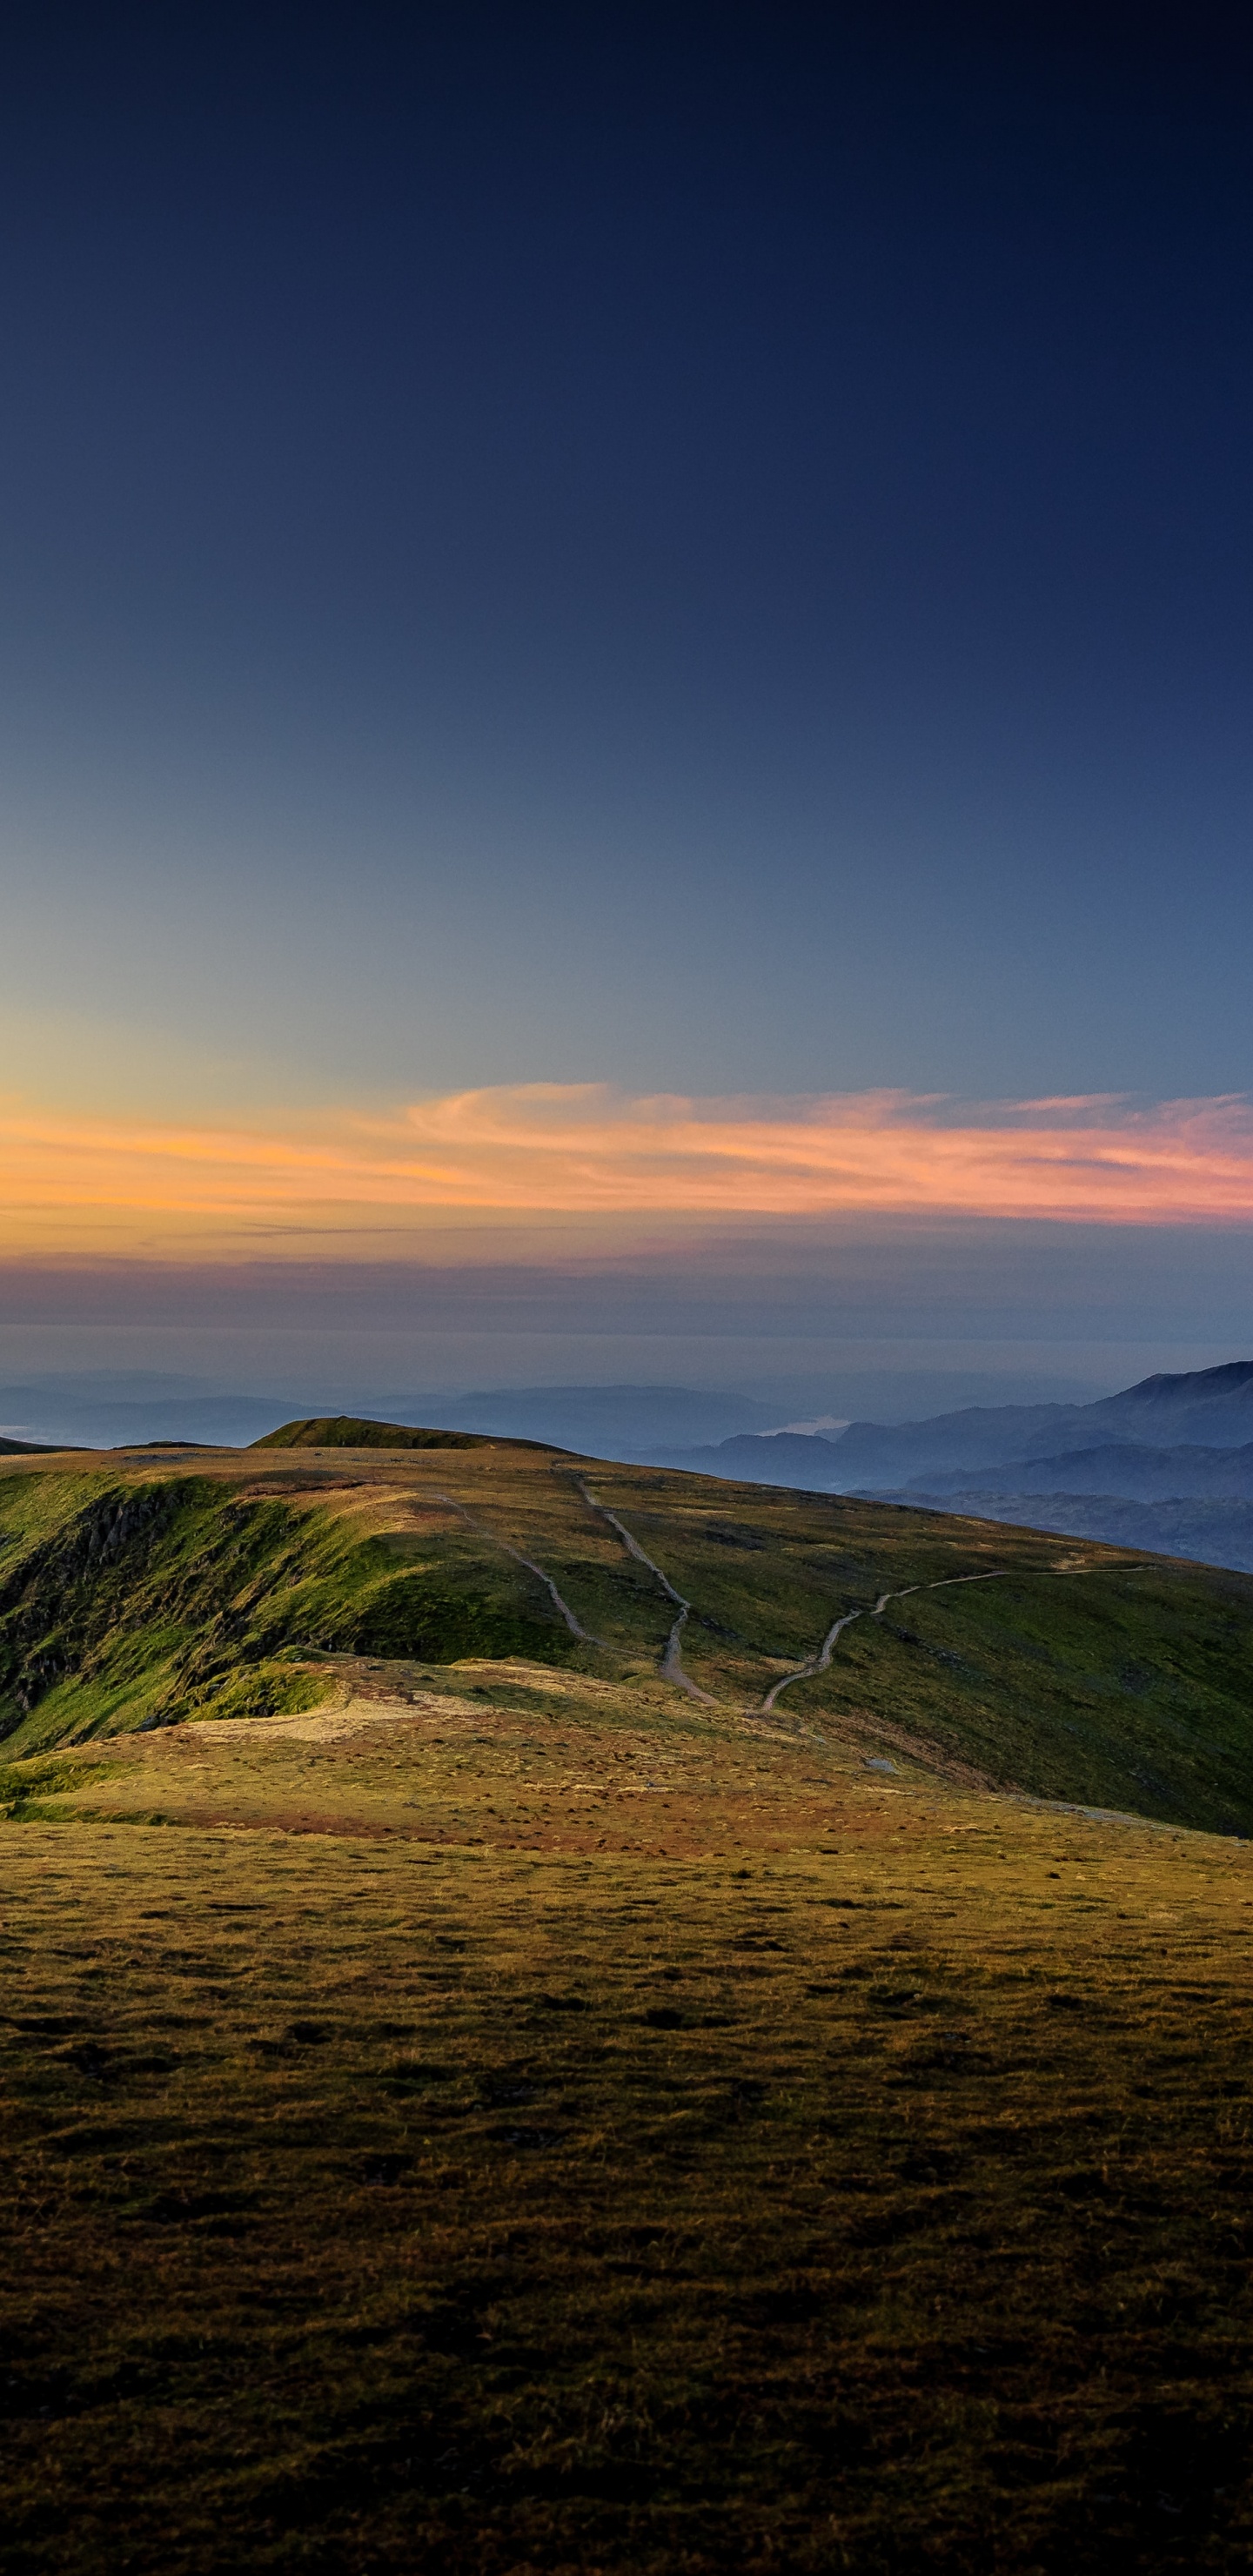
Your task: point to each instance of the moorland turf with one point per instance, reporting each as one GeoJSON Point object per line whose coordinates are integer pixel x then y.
{"type": "Point", "coordinates": [133, 1594]}
{"type": "Point", "coordinates": [504, 2112]}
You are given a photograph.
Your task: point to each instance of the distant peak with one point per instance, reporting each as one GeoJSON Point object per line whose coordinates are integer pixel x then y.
{"type": "Point", "coordinates": [356, 1431]}
{"type": "Point", "coordinates": [1224, 1380]}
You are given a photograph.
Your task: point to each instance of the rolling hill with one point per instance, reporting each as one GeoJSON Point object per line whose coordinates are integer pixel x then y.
{"type": "Point", "coordinates": [140, 1594]}
{"type": "Point", "coordinates": [355, 1431]}
{"type": "Point", "coordinates": [564, 2016]}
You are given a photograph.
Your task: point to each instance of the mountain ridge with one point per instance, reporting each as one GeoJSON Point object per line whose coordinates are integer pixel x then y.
{"type": "Point", "coordinates": [886, 1456]}
{"type": "Point", "coordinates": [1127, 1467]}
{"type": "Point", "coordinates": [1201, 1530]}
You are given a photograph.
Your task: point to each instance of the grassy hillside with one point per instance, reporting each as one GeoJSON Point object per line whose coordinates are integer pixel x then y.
{"type": "Point", "coordinates": [135, 1601]}
{"type": "Point", "coordinates": [356, 1431]}
{"type": "Point", "coordinates": [136, 1594]}
{"type": "Point", "coordinates": [494, 2107]}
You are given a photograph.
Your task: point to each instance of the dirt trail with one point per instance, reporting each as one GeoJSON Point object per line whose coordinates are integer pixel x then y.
{"type": "Point", "coordinates": [997, 1574]}
{"type": "Point", "coordinates": [671, 1664]}
{"type": "Point", "coordinates": [532, 1568]}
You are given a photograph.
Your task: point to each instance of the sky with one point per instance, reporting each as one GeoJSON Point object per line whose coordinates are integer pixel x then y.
{"type": "Point", "coordinates": [625, 645]}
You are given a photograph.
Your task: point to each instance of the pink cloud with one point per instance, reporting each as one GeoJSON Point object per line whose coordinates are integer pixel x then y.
{"type": "Point", "coordinates": [528, 1150]}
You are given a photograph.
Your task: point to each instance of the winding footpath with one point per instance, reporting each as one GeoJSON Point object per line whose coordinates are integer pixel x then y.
{"type": "Point", "coordinates": [529, 1562]}
{"type": "Point", "coordinates": [998, 1574]}
{"type": "Point", "coordinates": [671, 1664]}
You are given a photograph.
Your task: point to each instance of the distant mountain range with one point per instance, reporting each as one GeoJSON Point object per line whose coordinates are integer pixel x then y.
{"type": "Point", "coordinates": [1121, 1467]}
{"type": "Point", "coordinates": [1166, 1465]}
{"type": "Point", "coordinates": [1207, 1407]}
{"type": "Point", "coordinates": [1213, 1533]}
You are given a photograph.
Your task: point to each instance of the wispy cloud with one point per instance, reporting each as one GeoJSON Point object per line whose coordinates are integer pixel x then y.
{"type": "Point", "coordinates": [528, 1150]}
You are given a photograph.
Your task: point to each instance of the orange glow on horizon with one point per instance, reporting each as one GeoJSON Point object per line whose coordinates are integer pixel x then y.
{"type": "Point", "coordinates": [514, 1153]}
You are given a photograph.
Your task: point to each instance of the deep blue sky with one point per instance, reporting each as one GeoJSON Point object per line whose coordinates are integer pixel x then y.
{"type": "Point", "coordinates": [707, 549]}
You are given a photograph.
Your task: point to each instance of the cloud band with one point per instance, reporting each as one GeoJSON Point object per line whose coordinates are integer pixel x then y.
{"type": "Point", "coordinates": [529, 1151]}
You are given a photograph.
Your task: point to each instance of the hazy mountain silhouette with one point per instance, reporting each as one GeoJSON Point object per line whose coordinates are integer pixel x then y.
{"type": "Point", "coordinates": [1206, 1407]}
{"type": "Point", "coordinates": [1123, 1467]}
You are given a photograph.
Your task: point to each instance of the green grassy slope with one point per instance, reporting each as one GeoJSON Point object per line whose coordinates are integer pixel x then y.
{"type": "Point", "coordinates": [131, 1596]}
{"type": "Point", "coordinates": [138, 1602]}
{"type": "Point", "coordinates": [356, 1431]}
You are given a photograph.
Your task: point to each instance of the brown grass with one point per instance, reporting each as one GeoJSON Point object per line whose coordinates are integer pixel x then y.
{"type": "Point", "coordinates": [509, 2118]}
{"type": "Point", "coordinates": [734, 2172]}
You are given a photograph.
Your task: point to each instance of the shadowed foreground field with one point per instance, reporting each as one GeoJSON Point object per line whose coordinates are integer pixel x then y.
{"type": "Point", "coordinates": [495, 2114]}
{"type": "Point", "coordinates": [877, 2203]}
